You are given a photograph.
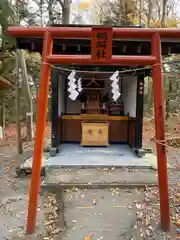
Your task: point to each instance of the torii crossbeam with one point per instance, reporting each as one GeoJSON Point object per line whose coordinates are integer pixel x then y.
{"type": "Point", "coordinates": [102, 55]}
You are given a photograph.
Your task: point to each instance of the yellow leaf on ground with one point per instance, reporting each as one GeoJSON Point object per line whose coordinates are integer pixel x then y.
{"type": "Point", "coordinates": [89, 237]}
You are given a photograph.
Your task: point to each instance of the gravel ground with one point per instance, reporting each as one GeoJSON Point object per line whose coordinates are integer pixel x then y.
{"type": "Point", "coordinates": [14, 197]}
{"type": "Point", "coordinates": [174, 188]}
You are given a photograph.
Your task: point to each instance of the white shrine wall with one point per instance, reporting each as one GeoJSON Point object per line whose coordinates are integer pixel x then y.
{"type": "Point", "coordinates": [129, 95]}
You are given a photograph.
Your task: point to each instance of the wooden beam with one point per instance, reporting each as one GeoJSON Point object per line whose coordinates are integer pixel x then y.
{"type": "Point", "coordinates": [95, 117]}
{"type": "Point", "coordinates": [85, 32]}
{"type": "Point", "coordinates": [86, 60]}
{"type": "Point", "coordinates": [160, 132]}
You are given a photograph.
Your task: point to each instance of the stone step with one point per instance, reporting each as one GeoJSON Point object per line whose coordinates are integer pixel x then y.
{"type": "Point", "coordinates": [106, 214]}
{"type": "Point", "coordinates": [102, 214]}
{"type": "Point", "coordinates": [99, 178]}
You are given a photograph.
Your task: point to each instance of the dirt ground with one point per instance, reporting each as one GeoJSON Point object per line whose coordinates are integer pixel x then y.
{"type": "Point", "coordinates": [14, 191]}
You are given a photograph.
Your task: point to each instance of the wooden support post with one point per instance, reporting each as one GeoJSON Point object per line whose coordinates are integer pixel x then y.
{"type": "Point", "coordinates": [160, 132]}
{"type": "Point", "coordinates": [54, 109]}
{"type": "Point", "coordinates": [40, 131]}
{"type": "Point", "coordinates": [139, 110]}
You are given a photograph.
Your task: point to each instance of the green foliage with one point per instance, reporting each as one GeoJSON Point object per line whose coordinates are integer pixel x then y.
{"type": "Point", "coordinates": [7, 18]}
{"type": "Point", "coordinates": [33, 63]}
{"type": "Point", "coordinates": [7, 67]}
{"type": "Point", "coordinates": [7, 14]}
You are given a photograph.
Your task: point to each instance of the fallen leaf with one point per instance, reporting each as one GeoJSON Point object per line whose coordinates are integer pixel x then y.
{"type": "Point", "coordinates": [148, 220]}
{"type": "Point", "coordinates": [94, 201]}
{"type": "Point", "coordinates": [89, 237]}
{"type": "Point", "coordinates": [139, 205]}
{"type": "Point", "coordinates": [49, 223]}
{"type": "Point", "coordinates": [49, 229]}
{"type": "Point", "coordinates": [56, 231]}
{"type": "Point", "coordinates": [139, 214]}
{"type": "Point", "coordinates": [135, 226]}
{"type": "Point", "coordinates": [150, 228]}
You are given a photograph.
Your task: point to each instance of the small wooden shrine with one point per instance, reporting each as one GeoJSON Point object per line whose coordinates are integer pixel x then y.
{"type": "Point", "coordinates": [94, 118]}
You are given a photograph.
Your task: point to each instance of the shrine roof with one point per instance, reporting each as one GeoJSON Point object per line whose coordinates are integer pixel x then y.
{"type": "Point", "coordinates": [83, 46]}
{"type": "Point", "coordinates": [76, 46]}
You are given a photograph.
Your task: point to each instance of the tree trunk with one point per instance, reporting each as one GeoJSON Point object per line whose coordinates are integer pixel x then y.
{"type": "Point", "coordinates": [29, 115]}
{"type": "Point", "coordinates": [163, 18]}
{"type": "Point", "coordinates": [50, 13]}
{"type": "Point", "coordinates": [149, 13]}
{"type": "Point", "coordinates": [169, 81]}
{"type": "Point", "coordinates": [66, 12]}
{"type": "Point", "coordinates": [167, 109]}
{"type": "Point", "coordinates": [18, 125]}
{"type": "Point", "coordinates": [2, 113]}
{"type": "Point", "coordinates": [140, 12]}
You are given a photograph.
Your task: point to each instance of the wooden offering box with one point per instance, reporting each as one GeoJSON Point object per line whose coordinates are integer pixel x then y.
{"type": "Point", "coordinates": [95, 134]}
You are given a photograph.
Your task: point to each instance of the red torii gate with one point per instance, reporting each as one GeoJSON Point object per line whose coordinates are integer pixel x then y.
{"type": "Point", "coordinates": [48, 33]}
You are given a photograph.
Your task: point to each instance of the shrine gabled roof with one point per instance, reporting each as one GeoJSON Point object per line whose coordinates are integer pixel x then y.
{"type": "Point", "coordinates": [83, 46]}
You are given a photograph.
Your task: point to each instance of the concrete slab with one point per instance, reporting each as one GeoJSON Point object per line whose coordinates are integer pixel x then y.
{"type": "Point", "coordinates": [73, 155]}
{"type": "Point", "coordinates": [107, 214]}
{"type": "Point", "coordinates": [91, 178]}
{"type": "Point", "coordinates": [153, 161]}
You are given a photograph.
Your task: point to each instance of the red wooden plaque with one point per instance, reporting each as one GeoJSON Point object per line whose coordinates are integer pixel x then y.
{"type": "Point", "coordinates": [101, 44]}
